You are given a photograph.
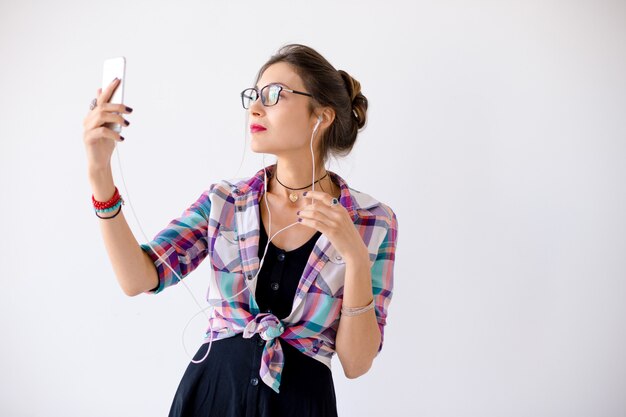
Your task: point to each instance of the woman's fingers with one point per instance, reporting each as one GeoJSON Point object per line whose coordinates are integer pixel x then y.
{"type": "Point", "coordinates": [102, 112]}
{"type": "Point", "coordinates": [120, 108]}
{"type": "Point", "coordinates": [98, 133]}
{"type": "Point", "coordinates": [108, 92]}
{"type": "Point", "coordinates": [105, 117]}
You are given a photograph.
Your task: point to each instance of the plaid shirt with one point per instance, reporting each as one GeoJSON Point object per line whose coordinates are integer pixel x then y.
{"type": "Point", "coordinates": [224, 223]}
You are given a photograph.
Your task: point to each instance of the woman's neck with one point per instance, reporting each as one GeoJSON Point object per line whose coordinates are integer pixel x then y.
{"type": "Point", "coordinates": [290, 180]}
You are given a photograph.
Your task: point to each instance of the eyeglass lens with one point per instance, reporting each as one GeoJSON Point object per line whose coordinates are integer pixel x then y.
{"type": "Point", "coordinates": [269, 95]}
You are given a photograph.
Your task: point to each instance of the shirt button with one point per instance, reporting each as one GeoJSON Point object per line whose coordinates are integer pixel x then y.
{"type": "Point", "coordinates": [269, 310]}
{"type": "Point", "coordinates": [239, 208]}
{"type": "Point", "coordinates": [249, 276]}
{"type": "Point", "coordinates": [281, 256]}
{"type": "Point", "coordinates": [338, 257]}
{"type": "Point", "coordinates": [261, 342]}
{"type": "Point", "coordinates": [254, 381]}
{"type": "Point", "coordinates": [275, 286]}
{"type": "Point", "coordinates": [242, 238]}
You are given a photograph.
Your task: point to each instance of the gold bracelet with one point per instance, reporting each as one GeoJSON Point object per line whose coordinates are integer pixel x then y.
{"type": "Point", "coordinates": [355, 311]}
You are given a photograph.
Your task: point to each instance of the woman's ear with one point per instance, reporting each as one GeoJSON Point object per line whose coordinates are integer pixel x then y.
{"type": "Point", "coordinates": [328, 116]}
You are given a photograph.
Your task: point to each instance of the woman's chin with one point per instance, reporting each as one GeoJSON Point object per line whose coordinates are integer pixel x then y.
{"type": "Point", "coordinates": [259, 144]}
{"type": "Point", "coordinates": [257, 148]}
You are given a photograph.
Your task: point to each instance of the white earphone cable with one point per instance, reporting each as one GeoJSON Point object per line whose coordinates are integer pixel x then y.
{"type": "Point", "coordinates": [211, 306]}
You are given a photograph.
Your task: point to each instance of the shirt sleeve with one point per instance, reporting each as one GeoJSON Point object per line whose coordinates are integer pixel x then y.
{"type": "Point", "coordinates": [182, 244]}
{"type": "Point", "coordinates": [382, 275]}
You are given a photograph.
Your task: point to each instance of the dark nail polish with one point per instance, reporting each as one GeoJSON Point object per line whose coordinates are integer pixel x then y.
{"type": "Point", "coordinates": [304, 193]}
{"type": "Point", "coordinates": [126, 122]}
{"type": "Point", "coordinates": [122, 137]}
{"type": "Point", "coordinates": [128, 109]}
{"type": "Point", "coordinates": [298, 212]}
{"type": "Point", "coordinates": [300, 220]}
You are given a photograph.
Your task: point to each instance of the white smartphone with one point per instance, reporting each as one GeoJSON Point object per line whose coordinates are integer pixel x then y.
{"type": "Point", "coordinates": [114, 67]}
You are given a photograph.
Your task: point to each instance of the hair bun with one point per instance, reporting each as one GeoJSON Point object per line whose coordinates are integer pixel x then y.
{"type": "Point", "coordinates": [358, 100]}
{"type": "Point", "coordinates": [352, 85]}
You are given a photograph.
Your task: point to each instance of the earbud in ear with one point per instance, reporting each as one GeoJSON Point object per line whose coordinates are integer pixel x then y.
{"type": "Point", "coordinates": [319, 120]}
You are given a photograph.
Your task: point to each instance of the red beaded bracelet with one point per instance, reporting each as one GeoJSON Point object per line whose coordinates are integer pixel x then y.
{"type": "Point", "coordinates": [100, 205]}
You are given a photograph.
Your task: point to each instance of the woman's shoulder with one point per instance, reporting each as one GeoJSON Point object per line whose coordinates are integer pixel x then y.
{"type": "Point", "coordinates": [226, 187]}
{"type": "Point", "coordinates": [237, 185]}
{"type": "Point", "coordinates": [367, 205]}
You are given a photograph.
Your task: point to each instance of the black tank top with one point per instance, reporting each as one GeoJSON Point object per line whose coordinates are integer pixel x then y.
{"type": "Point", "coordinates": [280, 275]}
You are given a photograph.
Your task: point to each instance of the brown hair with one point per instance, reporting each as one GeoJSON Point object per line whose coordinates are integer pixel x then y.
{"type": "Point", "coordinates": [329, 87]}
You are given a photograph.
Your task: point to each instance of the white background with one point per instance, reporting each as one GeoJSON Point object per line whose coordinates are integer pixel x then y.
{"type": "Point", "coordinates": [496, 133]}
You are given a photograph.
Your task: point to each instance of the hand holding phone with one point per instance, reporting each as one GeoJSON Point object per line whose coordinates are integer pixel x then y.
{"type": "Point", "coordinates": [104, 121]}
{"type": "Point", "coordinates": [114, 68]}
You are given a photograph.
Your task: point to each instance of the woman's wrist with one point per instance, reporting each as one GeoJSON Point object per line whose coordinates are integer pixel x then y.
{"type": "Point", "coordinates": [102, 183]}
{"type": "Point", "coordinates": [358, 258]}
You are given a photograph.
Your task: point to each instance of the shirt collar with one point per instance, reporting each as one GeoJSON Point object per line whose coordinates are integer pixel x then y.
{"type": "Point", "coordinates": [256, 184]}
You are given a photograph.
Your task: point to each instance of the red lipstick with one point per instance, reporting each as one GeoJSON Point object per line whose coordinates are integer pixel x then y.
{"type": "Point", "coordinates": [256, 128]}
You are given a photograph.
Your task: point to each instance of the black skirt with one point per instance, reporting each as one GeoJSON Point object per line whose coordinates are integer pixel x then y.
{"type": "Point", "coordinates": [227, 382]}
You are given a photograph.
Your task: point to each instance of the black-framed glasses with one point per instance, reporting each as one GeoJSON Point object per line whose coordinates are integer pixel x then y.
{"type": "Point", "coordinates": [269, 95]}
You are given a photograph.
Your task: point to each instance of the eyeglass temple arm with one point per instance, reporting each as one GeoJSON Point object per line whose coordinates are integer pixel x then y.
{"type": "Point", "coordinates": [297, 92]}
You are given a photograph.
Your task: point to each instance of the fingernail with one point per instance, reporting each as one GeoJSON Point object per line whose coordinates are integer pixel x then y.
{"type": "Point", "coordinates": [304, 193]}
{"type": "Point", "coordinates": [126, 122]}
{"type": "Point", "coordinates": [128, 109]}
{"type": "Point", "coordinates": [122, 137]}
{"type": "Point", "coordinates": [298, 212]}
{"type": "Point", "coordinates": [300, 220]}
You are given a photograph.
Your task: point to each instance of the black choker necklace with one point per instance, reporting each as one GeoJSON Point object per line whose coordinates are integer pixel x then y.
{"type": "Point", "coordinates": [294, 196]}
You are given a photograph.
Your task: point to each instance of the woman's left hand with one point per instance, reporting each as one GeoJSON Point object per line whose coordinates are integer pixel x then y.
{"type": "Point", "coordinates": [335, 222]}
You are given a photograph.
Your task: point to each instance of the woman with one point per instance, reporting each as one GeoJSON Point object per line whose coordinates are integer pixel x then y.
{"type": "Point", "coordinates": [283, 306]}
